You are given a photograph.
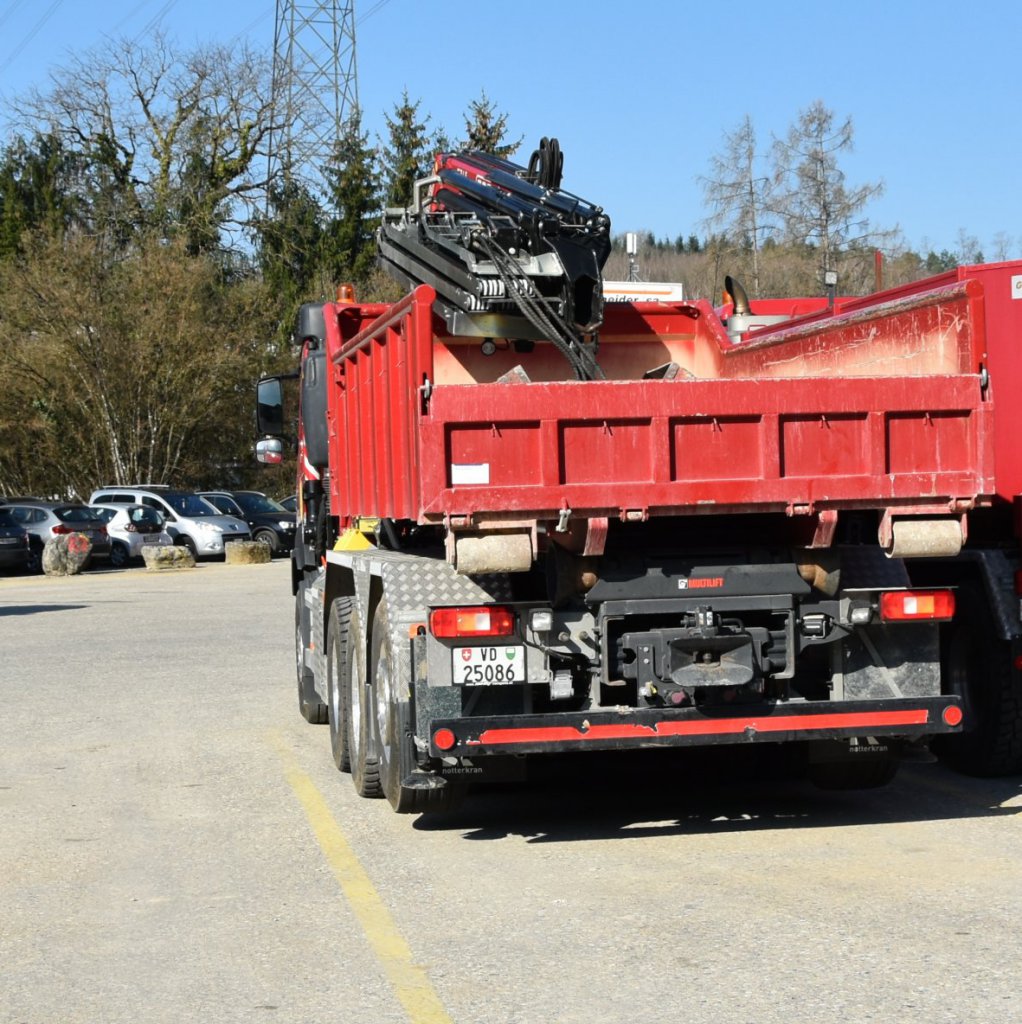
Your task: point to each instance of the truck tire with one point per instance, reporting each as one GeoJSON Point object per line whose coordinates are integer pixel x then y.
{"type": "Point", "coordinates": [312, 709]}
{"type": "Point", "coordinates": [390, 691]}
{"type": "Point", "coordinates": [339, 653]}
{"type": "Point", "coordinates": [359, 718]}
{"type": "Point", "coordinates": [977, 667]}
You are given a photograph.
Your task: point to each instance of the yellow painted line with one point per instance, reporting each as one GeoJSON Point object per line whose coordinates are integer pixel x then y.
{"type": "Point", "coordinates": [409, 981]}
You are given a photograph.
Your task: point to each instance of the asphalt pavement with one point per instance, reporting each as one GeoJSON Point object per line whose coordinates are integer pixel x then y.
{"type": "Point", "coordinates": [176, 846]}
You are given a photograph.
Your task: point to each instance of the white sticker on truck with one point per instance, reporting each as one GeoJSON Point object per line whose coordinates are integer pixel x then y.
{"type": "Point", "coordinates": [465, 473]}
{"type": "Point", "coordinates": [1016, 286]}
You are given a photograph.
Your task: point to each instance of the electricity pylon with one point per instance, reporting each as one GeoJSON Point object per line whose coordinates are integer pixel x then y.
{"type": "Point", "coordinates": [315, 86]}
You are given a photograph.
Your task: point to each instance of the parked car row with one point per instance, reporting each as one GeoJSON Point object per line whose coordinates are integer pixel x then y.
{"type": "Point", "coordinates": [120, 519]}
{"type": "Point", "coordinates": [45, 519]}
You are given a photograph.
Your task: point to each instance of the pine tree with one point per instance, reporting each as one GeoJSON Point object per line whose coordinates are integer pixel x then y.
{"type": "Point", "coordinates": [355, 197]}
{"type": "Point", "coordinates": [36, 190]}
{"type": "Point", "coordinates": [406, 158]}
{"type": "Point", "coordinates": [289, 241]}
{"type": "Point", "coordinates": [485, 128]}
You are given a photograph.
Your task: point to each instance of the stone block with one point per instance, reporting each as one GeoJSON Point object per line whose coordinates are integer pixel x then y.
{"type": "Point", "coordinates": [66, 554]}
{"type": "Point", "coordinates": [247, 552]}
{"type": "Point", "coordinates": [167, 556]}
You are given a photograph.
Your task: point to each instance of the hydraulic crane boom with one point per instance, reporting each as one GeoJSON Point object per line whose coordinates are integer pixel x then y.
{"type": "Point", "coordinates": [509, 253]}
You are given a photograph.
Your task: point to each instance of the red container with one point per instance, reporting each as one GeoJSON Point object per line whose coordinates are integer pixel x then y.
{"type": "Point", "coordinates": [884, 402]}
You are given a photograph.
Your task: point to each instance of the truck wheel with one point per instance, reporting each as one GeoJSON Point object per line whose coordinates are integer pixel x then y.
{"type": "Point", "coordinates": [313, 710]}
{"type": "Point", "coordinates": [393, 725]}
{"type": "Point", "coordinates": [359, 720]}
{"type": "Point", "coordinates": [339, 653]}
{"type": "Point", "coordinates": [977, 667]}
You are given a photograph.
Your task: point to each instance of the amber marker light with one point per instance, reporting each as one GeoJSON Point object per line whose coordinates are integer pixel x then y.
{"type": "Point", "coordinates": [484, 620]}
{"type": "Point", "coordinates": [916, 605]}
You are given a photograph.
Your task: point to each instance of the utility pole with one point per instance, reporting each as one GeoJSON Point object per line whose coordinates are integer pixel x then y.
{"type": "Point", "coordinates": [632, 250]}
{"type": "Point", "coordinates": [315, 86]}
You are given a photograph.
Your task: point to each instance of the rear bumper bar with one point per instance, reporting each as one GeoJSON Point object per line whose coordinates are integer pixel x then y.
{"type": "Point", "coordinates": [617, 729]}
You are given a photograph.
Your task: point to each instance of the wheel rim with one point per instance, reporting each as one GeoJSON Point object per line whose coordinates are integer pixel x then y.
{"type": "Point", "coordinates": [355, 710]}
{"type": "Point", "coordinates": [383, 689]}
{"type": "Point", "coordinates": [333, 689]}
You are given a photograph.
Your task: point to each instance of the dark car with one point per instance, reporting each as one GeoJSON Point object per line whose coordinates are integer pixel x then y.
{"type": "Point", "coordinates": [268, 520]}
{"type": "Point", "coordinates": [46, 519]}
{"type": "Point", "coordinates": [14, 549]}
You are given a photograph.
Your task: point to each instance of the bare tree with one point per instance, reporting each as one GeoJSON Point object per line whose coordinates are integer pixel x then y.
{"type": "Point", "coordinates": [967, 248]}
{"type": "Point", "coordinates": [171, 142]}
{"type": "Point", "coordinates": [1003, 246]}
{"type": "Point", "coordinates": [144, 376]}
{"type": "Point", "coordinates": [818, 209]}
{"type": "Point", "coordinates": [739, 195]}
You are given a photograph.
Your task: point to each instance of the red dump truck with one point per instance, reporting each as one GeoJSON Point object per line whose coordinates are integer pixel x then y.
{"type": "Point", "coordinates": [530, 523]}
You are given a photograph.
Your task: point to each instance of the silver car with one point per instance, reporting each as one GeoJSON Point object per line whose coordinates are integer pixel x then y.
{"type": "Point", "coordinates": [46, 519]}
{"type": "Point", "coordinates": [192, 521]}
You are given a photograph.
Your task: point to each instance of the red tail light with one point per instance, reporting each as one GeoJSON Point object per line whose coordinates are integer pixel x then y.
{"type": "Point", "coordinates": [915, 605]}
{"type": "Point", "coordinates": [131, 527]}
{"type": "Point", "coordinates": [485, 620]}
{"type": "Point", "coordinates": [61, 529]}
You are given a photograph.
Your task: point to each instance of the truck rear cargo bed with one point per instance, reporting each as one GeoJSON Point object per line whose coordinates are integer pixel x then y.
{"type": "Point", "coordinates": [884, 408]}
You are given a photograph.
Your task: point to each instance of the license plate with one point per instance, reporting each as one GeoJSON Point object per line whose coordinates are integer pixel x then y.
{"type": "Point", "coordinates": [488, 666]}
{"type": "Point", "coordinates": [151, 538]}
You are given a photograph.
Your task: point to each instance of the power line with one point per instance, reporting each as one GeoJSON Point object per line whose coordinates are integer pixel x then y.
{"type": "Point", "coordinates": [32, 33]}
{"type": "Point", "coordinates": [124, 21]}
{"type": "Point", "coordinates": [372, 10]}
{"type": "Point", "coordinates": [252, 24]}
{"type": "Point", "coordinates": [156, 19]}
{"type": "Point", "coordinates": [11, 8]}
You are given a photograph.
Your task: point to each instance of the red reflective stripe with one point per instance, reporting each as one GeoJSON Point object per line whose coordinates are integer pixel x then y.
{"type": "Point", "coordinates": [717, 727]}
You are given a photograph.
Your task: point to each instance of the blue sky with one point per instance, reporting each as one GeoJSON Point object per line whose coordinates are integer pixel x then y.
{"type": "Point", "coordinates": [641, 93]}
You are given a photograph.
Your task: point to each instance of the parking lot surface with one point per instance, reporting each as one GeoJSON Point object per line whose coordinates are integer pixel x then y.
{"type": "Point", "coordinates": [177, 846]}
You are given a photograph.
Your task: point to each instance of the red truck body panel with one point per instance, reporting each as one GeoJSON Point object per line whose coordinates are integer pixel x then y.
{"type": "Point", "coordinates": [882, 402]}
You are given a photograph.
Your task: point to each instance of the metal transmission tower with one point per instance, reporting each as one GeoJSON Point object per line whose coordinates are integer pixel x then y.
{"type": "Point", "coordinates": [315, 88]}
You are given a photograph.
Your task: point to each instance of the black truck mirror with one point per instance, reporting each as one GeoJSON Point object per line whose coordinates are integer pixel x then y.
{"type": "Point", "coordinates": [270, 407]}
